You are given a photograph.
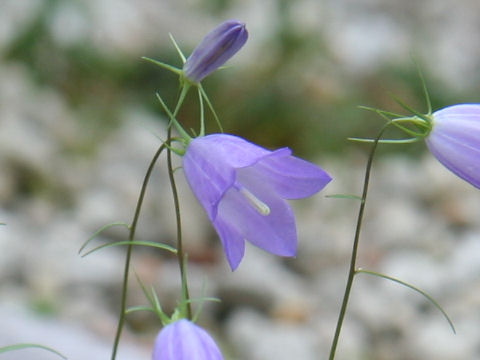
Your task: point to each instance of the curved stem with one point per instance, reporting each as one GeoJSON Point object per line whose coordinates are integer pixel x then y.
{"type": "Point", "coordinates": [131, 237]}
{"type": "Point", "coordinates": [353, 259]}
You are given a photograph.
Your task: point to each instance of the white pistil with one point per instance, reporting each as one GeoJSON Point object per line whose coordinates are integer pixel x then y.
{"type": "Point", "coordinates": [259, 205]}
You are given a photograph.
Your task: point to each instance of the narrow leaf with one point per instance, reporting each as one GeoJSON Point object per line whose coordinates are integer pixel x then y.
{"type": "Point", "coordinates": [138, 308]}
{"type": "Point", "coordinates": [420, 291]}
{"type": "Point", "coordinates": [385, 141]}
{"type": "Point", "coordinates": [99, 231]}
{"type": "Point", "coordinates": [140, 243]}
{"type": "Point", "coordinates": [344, 196]}
{"type": "Point", "coordinates": [26, 346]}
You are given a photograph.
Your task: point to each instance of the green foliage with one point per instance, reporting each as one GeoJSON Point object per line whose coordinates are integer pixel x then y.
{"type": "Point", "coordinates": [13, 347]}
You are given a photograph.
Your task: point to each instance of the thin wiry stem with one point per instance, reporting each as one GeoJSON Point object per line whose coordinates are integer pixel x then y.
{"type": "Point", "coordinates": [131, 238]}
{"type": "Point", "coordinates": [176, 202]}
{"type": "Point", "coordinates": [353, 259]}
{"type": "Point", "coordinates": [180, 253]}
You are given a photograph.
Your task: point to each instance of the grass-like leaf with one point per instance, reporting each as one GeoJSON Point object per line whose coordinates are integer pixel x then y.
{"type": "Point", "coordinates": [410, 286]}
{"type": "Point", "coordinates": [27, 346]}
{"type": "Point", "coordinates": [99, 231]}
{"type": "Point", "coordinates": [136, 243]}
{"type": "Point", "coordinates": [386, 141]}
{"type": "Point", "coordinates": [139, 308]}
{"type": "Point", "coordinates": [344, 196]}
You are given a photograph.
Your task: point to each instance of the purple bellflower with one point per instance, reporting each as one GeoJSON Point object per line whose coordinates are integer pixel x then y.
{"type": "Point", "coordinates": [183, 340]}
{"type": "Point", "coordinates": [243, 188]}
{"type": "Point", "coordinates": [216, 48]}
{"type": "Point", "coordinates": [455, 140]}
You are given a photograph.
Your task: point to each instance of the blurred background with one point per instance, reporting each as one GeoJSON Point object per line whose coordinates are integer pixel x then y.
{"type": "Point", "coordinates": [79, 123]}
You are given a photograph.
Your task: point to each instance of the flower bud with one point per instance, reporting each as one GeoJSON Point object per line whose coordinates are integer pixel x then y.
{"type": "Point", "coordinates": [183, 340]}
{"type": "Point", "coordinates": [216, 48]}
{"type": "Point", "coordinates": [455, 140]}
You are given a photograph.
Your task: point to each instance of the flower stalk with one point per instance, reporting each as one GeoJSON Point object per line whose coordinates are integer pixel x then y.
{"type": "Point", "coordinates": [131, 239]}
{"type": "Point", "coordinates": [353, 259]}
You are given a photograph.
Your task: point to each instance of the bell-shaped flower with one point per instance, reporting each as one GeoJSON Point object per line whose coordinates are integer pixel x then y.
{"type": "Point", "coordinates": [216, 48]}
{"type": "Point", "coordinates": [455, 140]}
{"type": "Point", "coordinates": [243, 188]}
{"type": "Point", "coordinates": [183, 340]}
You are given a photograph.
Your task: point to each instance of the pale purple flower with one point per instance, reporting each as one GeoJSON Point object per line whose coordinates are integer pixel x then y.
{"type": "Point", "coordinates": [243, 188]}
{"type": "Point", "coordinates": [216, 48]}
{"type": "Point", "coordinates": [455, 140]}
{"type": "Point", "coordinates": [183, 340]}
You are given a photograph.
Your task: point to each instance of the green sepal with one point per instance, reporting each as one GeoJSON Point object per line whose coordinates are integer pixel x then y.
{"type": "Point", "coordinates": [154, 302]}
{"type": "Point", "coordinates": [210, 106]}
{"type": "Point", "coordinates": [387, 114]}
{"type": "Point", "coordinates": [409, 108]}
{"type": "Point", "coordinates": [202, 301]}
{"type": "Point", "coordinates": [186, 137]}
{"type": "Point", "coordinates": [179, 51]}
{"type": "Point", "coordinates": [163, 65]}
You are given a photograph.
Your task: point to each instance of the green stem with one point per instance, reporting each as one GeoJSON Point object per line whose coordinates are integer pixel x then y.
{"type": "Point", "coordinates": [176, 202]}
{"type": "Point", "coordinates": [180, 253]}
{"type": "Point", "coordinates": [202, 113]}
{"type": "Point", "coordinates": [131, 238]}
{"type": "Point", "coordinates": [353, 259]}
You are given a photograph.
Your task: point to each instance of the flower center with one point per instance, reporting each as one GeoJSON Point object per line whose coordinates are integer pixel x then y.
{"type": "Point", "coordinates": [258, 204]}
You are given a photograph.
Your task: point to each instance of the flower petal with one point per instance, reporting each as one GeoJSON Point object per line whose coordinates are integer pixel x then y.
{"type": "Point", "coordinates": [210, 162]}
{"type": "Point", "coordinates": [291, 177]}
{"type": "Point", "coordinates": [183, 340]}
{"type": "Point", "coordinates": [232, 240]}
{"type": "Point", "coordinates": [243, 188]}
{"type": "Point", "coordinates": [455, 140]}
{"type": "Point", "coordinates": [275, 232]}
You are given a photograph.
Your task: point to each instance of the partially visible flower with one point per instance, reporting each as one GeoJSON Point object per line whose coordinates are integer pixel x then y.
{"type": "Point", "coordinates": [242, 187]}
{"type": "Point", "coordinates": [216, 48]}
{"type": "Point", "coordinates": [183, 340]}
{"type": "Point", "coordinates": [455, 140]}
